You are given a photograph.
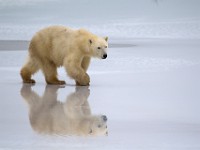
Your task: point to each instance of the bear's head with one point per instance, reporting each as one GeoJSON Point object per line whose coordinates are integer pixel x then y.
{"type": "Point", "coordinates": [98, 47]}
{"type": "Point", "coordinates": [93, 45]}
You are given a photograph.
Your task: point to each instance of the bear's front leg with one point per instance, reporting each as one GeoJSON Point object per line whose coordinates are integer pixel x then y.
{"type": "Point", "coordinates": [83, 80]}
{"type": "Point", "coordinates": [84, 65]}
{"type": "Point", "coordinates": [75, 71]}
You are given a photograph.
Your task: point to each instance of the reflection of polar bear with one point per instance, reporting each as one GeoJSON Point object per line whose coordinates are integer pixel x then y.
{"type": "Point", "coordinates": [73, 117]}
{"type": "Point", "coordinates": [57, 46]}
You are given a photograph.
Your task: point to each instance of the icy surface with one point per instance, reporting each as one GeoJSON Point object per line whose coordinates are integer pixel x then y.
{"type": "Point", "coordinates": [148, 89]}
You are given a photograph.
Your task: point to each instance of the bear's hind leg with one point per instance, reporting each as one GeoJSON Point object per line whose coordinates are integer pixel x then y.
{"type": "Point", "coordinates": [28, 70]}
{"type": "Point", "coordinates": [50, 72]}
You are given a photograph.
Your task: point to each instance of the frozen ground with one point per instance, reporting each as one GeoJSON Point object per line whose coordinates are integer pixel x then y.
{"type": "Point", "coordinates": [147, 88]}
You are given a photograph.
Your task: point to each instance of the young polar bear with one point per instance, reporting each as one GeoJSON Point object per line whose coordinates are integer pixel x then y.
{"type": "Point", "coordinates": [49, 116]}
{"type": "Point", "coordinates": [57, 46]}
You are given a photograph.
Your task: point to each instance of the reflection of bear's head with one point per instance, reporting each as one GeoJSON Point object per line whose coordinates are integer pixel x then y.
{"type": "Point", "coordinates": [98, 125]}
{"type": "Point", "coordinates": [72, 117]}
{"type": "Point", "coordinates": [97, 46]}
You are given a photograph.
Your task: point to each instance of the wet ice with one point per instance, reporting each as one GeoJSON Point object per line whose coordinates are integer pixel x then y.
{"type": "Point", "coordinates": [149, 93]}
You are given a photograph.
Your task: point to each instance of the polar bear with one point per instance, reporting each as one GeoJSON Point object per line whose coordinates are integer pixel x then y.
{"type": "Point", "coordinates": [57, 46]}
{"type": "Point", "coordinates": [49, 116]}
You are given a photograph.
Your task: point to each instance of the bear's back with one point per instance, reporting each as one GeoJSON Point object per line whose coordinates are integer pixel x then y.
{"type": "Point", "coordinates": [51, 42]}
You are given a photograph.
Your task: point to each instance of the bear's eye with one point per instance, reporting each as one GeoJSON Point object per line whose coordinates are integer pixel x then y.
{"type": "Point", "coordinates": [99, 126]}
{"type": "Point", "coordinates": [99, 47]}
{"type": "Point", "coordinates": [106, 46]}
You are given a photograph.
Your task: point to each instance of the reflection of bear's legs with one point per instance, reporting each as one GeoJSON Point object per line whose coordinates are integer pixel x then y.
{"type": "Point", "coordinates": [29, 69]}
{"type": "Point", "coordinates": [29, 95]}
{"type": "Point", "coordinates": [77, 105]}
{"type": "Point", "coordinates": [50, 72]}
{"type": "Point", "coordinates": [50, 94]}
{"type": "Point", "coordinates": [86, 108]}
{"type": "Point", "coordinates": [84, 93]}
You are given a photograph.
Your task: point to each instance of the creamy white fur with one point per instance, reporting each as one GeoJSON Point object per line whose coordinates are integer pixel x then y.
{"type": "Point", "coordinates": [57, 46]}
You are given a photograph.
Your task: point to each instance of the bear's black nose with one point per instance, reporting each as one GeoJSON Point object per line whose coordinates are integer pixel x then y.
{"type": "Point", "coordinates": [104, 118]}
{"type": "Point", "coordinates": [104, 56]}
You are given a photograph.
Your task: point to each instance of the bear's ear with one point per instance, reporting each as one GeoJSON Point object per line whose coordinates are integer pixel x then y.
{"type": "Point", "coordinates": [90, 41]}
{"type": "Point", "coordinates": [106, 39]}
